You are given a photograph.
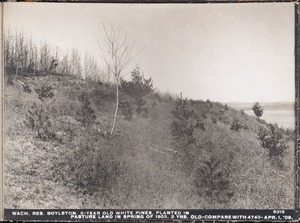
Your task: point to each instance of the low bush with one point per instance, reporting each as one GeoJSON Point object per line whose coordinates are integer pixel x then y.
{"type": "Point", "coordinates": [26, 88]}
{"type": "Point", "coordinates": [212, 181]}
{"type": "Point", "coordinates": [38, 120]}
{"type": "Point", "coordinates": [154, 104]}
{"type": "Point", "coordinates": [291, 133]}
{"type": "Point", "coordinates": [193, 103]}
{"type": "Point", "coordinates": [101, 169]}
{"type": "Point", "coordinates": [272, 140]}
{"type": "Point", "coordinates": [86, 115]}
{"type": "Point", "coordinates": [246, 127]}
{"type": "Point", "coordinates": [200, 125]}
{"type": "Point", "coordinates": [10, 80]}
{"type": "Point", "coordinates": [140, 105]}
{"type": "Point", "coordinates": [94, 170]}
{"type": "Point", "coordinates": [214, 119]}
{"type": "Point", "coordinates": [145, 112]}
{"type": "Point", "coordinates": [101, 96]}
{"type": "Point", "coordinates": [222, 112]}
{"type": "Point", "coordinates": [126, 109]}
{"type": "Point", "coordinates": [236, 125]}
{"type": "Point", "coordinates": [226, 107]}
{"type": "Point", "coordinates": [209, 102]}
{"type": "Point", "coordinates": [157, 96]}
{"type": "Point", "coordinates": [45, 91]}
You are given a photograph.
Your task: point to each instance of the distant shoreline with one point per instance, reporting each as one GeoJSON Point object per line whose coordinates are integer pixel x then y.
{"type": "Point", "coordinates": [282, 113]}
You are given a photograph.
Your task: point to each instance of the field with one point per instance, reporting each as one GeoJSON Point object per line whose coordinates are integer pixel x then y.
{"type": "Point", "coordinates": [69, 163]}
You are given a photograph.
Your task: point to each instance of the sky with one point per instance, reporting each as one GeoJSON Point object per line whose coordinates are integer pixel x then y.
{"type": "Point", "coordinates": [222, 52]}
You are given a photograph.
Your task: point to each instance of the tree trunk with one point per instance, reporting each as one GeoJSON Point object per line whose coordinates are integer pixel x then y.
{"type": "Point", "coordinates": [17, 72]}
{"type": "Point", "coordinates": [116, 111]}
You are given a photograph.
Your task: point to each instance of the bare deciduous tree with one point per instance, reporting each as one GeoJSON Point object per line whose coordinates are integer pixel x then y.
{"type": "Point", "coordinates": [45, 56]}
{"type": "Point", "coordinates": [64, 65]}
{"type": "Point", "coordinates": [75, 63]}
{"type": "Point", "coordinates": [117, 53]}
{"type": "Point", "coordinates": [91, 69]}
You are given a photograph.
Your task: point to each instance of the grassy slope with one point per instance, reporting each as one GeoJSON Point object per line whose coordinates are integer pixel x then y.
{"type": "Point", "coordinates": [39, 174]}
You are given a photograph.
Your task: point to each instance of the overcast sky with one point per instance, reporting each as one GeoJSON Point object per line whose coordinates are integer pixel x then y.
{"type": "Point", "coordinates": [224, 52]}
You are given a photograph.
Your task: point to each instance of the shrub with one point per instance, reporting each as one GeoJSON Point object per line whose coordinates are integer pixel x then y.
{"type": "Point", "coordinates": [214, 119]}
{"type": "Point", "coordinates": [101, 96]}
{"type": "Point", "coordinates": [86, 115]}
{"type": "Point", "coordinates": [213, 180]}
{"type": "Point", "coordinates": [226, 107]}
{"type": "Point", "coordinates": [257, 109]}
{"type": "Point", "coordinates": [272, 140]}
{"type": "Point", "coordinates": [291, 133]}
{"type": "Point", "coordinates": [236, 125]}
{"type": "Point", "coordinates": [246, 127]}
{"type": "Point", "coordinates": [225, 120]}
{"type": "Point", "coordinates": [140, 105]}
{"type": "Point", "coordinates": [193, 103]}
{"type": "Point", "coordinates": [126, 109]}
{"type": "Point", "coordinates": [94, 170]}
{"type": "Point", "coordinates": [170, 98]}
{"type": "Point", "coordinates": [45, 91]}
{"type": "Point", "coordinates": [157, 96]}
{"type": "Point", "coordinates": [263, 136]}
{"type": "Point", "coordinates": [209, 102]}
{"type": "Point", "coordinates": [200, 125]}
{"type": "Point", "coordinates": [26, 88]}
{"type": "Point", "coordinates": [72, 94]}
{"type": "Point", "coordinates": [99, 82]}
{"type": "Point", "coordinates": [222, 112]}
{"type": "Point", "coordinates": [203, 114]}
{"type": "Point", "coordinates": [154, 104]}
{"type": "Point", "coordinates": [38, 120]}
{"type": "Point", "coordinates": [145, 112]}
{"type": "Point", "coordinates": [10, 80]}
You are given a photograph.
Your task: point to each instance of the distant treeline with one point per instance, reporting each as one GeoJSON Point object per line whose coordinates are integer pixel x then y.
{"type": "Point", "coordinates": [23, 55]}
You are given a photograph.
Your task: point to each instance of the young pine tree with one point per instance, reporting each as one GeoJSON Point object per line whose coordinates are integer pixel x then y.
{"type": "Point", "coordinates": [138, 87]}
{"type": "Point", "coordinates": [258, 110]}
{"type": "Point", "coordinates": [182, 127]}
{"type": "Point", "coordinates": [86, 115]}
{"type": "Point", "coordinates": [39, 121]}
{"type": "Point", "coordinates": [272, 140]}
{"type": "Point", "coordinates": [212, 181]}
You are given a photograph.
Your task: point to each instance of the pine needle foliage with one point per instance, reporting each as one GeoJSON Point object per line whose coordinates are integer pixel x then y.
{"type": "Point", "coordinates": [182, 127]}
{"type": "Point", "coordinates": [258, 110]}
{"type": "Point", "coordinates": [236, 125]}
{"type": "Point", "coordinates": [38, 120]}
{"type": "Point", "coordinates": [45, 91]}
{"type": "Point", "coordinates": [272, 140]}
{"type": "Point", "coordinates": [126, 110]}
{"type": "Point", "coordinates": [212, 181]}
{"type": "Point", "coordinates": [86, 115]}
{"type": "Point", "coordinates": [138, 87]}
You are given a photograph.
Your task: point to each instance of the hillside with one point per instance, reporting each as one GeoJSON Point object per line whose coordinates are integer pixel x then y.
{"type": "Point", "coordinates": [74, 166]}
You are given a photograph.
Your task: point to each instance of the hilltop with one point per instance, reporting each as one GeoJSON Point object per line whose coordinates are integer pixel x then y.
{"type": "Point", "coordinates": [69, 164]}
